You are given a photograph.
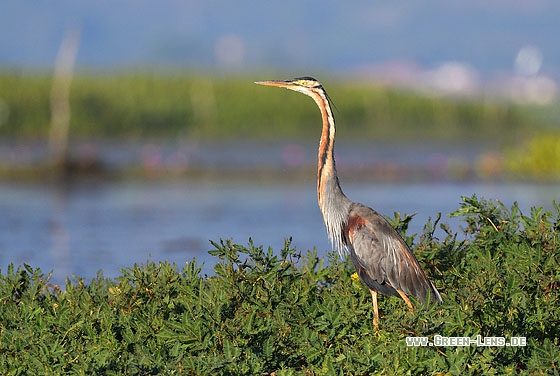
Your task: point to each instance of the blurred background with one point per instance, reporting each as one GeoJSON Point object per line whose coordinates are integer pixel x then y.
{"type": "Point", "coordinates": [132, 130]}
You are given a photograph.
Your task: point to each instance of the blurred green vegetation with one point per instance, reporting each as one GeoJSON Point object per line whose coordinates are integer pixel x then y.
{"type": "Point", "coordinates": [538, 158]}
{"type": "Point", "coordinates": [141, 106]}
{"type": "Point", "coordinates": [288, 312]}
{"type": "Point", "coordinates": [170, 106]}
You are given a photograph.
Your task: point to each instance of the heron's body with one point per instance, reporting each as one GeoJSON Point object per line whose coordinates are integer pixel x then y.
{"type": "Point", "coordinates": [382, 259]}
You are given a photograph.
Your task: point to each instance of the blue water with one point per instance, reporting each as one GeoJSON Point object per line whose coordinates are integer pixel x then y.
{"type": "Point", "coordinates": [81, 228]}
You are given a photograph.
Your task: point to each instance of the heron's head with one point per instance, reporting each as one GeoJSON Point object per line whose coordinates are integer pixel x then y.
{"type": "Point", "coordinates": [305, 85]}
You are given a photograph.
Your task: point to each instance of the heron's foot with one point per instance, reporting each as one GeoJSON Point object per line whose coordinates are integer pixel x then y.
{"type": "Point", "coordinates": [376, 323]}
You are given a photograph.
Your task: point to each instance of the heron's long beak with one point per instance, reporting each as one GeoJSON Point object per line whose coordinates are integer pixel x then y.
{"type": "Point", "coordinates": [276, 83]}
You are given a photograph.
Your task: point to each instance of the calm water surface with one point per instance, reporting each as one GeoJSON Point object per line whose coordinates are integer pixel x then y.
{"type": "Point", "coordinates": [82, 228]}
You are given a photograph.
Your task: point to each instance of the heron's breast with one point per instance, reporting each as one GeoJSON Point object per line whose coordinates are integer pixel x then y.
{"type": "Point", "coordinates": [355, 223]}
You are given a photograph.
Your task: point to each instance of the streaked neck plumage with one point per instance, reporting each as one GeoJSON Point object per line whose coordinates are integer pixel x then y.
{"type": "Point", "coordinates": [332, 201]}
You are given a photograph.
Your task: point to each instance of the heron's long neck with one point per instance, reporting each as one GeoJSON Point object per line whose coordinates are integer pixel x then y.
{"type": "Point", "coordinates": [332, 201]}
{"type": "Point", "coordinates": [326, 166]}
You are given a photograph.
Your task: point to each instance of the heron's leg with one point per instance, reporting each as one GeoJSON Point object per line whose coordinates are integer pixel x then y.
{"type": "Point", "coordinates": [375, 310]}
{"type": "Point", "coordinates": [406, 300]}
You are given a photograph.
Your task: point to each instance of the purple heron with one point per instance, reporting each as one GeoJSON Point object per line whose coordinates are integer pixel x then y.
{"type": "Point", "coordinates": [382, 259]}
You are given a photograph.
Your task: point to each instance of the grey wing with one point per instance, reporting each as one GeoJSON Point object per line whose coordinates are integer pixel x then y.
{"type": "Point", "coordinates": [382, 258]}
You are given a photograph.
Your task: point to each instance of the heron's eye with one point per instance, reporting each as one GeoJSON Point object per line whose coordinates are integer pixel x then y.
{"type": "Point", "coordinates": [306, 83]}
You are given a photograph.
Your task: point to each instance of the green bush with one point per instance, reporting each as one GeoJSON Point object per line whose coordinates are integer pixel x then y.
{"type": "Point", "coordinates": [284, 313]}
